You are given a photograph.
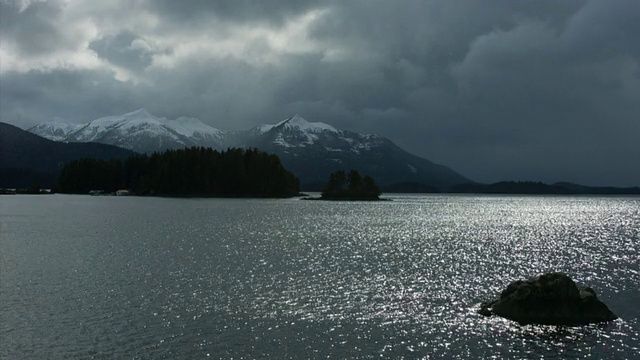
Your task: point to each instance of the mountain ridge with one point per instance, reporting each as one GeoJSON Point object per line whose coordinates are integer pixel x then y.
{"type": "Point", "coordinates": [27, 159]}
{"type": "Point", "coordinates": [312, 150]}
{"type": "Point", "coordinates": [138, 131]}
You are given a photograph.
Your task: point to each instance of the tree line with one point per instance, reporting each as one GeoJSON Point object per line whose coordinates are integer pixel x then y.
{"type": "Point", "coordinates": [195, 171]}
{"type": "Point", "coordinates": [350, 186]}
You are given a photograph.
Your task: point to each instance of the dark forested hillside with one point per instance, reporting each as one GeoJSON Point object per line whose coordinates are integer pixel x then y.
{"type": "Point", "coordinates": [27, 159]}
{"type": "Point", "coordinates": [195, 171]}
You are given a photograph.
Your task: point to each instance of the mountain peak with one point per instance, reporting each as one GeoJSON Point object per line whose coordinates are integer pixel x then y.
{"type": "Point", "coordinates": [297, 119]}
{"type": "Point", "coordinates": [142, 112]}
{"type": "Point", "coordinates": [298, 122]}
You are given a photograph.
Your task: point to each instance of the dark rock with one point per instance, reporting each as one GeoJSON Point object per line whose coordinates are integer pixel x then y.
{"type": "Point", "coordinates": [549, 299]}
{"type": "Point", "coordinates": [485, 308]}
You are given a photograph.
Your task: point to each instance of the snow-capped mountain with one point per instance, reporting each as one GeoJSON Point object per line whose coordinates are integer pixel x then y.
{"type": "Point", "coordinates": [312, 150]}
{"type": "Point", "coordinates": [138, 131]}
{"type": "Point", "coordinates": [54, 130]}
{"type": "Point", "coordinates": [296, 133]}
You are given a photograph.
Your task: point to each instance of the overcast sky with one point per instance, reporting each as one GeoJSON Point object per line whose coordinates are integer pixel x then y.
{"type": "Point", "coordinates": [497, 90]}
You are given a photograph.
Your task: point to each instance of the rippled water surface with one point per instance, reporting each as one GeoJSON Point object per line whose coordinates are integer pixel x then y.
{"type": "Point", "coordinates": [127, 277]}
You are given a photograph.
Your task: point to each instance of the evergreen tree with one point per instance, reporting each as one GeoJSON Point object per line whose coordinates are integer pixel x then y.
{"type": "Point", "coordinates": [355, 181]}
{"type": "Point", "coordinates": [370, 188]}
{"type": "Point", "coordinates": [336, 185]}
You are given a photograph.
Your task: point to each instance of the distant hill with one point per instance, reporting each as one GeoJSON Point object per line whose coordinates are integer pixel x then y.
{"type": "Point", "coordinates": [27, 159]}
{"type": "Point", "coordinates": [409, 187]}
{"type": "Point", "coordinates": [598, 190]}
{"type": "Point", "coordinates": [530, 187]}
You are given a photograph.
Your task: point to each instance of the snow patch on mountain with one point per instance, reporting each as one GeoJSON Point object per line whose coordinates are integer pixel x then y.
{"type": "Point", "coordinates": [192, 127]}
{"type": "Point", "coordinates": [297, 122]}
{"type": "Point", "coordinates": [279, 140]}
{"type": "Point", "coordinates": [263, 128]}
{"type": "Point", "coordinates": [54, 130]}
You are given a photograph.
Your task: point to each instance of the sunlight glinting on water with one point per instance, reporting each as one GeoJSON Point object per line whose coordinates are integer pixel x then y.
{"type": "Point", "coordinates": [356, 280]}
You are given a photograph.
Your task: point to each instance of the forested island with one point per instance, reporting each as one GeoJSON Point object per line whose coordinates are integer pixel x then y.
{"type": "Point", "coordinates": [351, 186]}
{"type": "Point", "coordinates": [195, 171]}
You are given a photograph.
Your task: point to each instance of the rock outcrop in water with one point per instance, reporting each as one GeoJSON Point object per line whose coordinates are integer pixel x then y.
{"type": "Point", "coordinates": [549, 299]}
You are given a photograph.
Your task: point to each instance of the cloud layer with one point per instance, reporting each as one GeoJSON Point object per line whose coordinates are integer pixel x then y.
{"type": "Point", "coordinates": [537, 90]}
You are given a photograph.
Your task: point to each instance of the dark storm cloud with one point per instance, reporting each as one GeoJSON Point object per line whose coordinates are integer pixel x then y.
{"type": "Point", "coordinates": [554, 100]}
{"type": "Point", "coordinates": [80, 96]}
{"type": "Point", "coordinates": [537, 90]}
{"type": "Point", "coordinates": [33, 30]}
{"type": "Point", "coordinates": [275, 12]}
{"type": "Point", "coordinates": [124, 49]}
{"type": "Point", "coordinates": [517, 84]}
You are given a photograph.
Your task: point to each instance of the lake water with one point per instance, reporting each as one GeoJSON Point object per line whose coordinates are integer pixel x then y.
{"type": "Point", "coordinates": [163, 278]}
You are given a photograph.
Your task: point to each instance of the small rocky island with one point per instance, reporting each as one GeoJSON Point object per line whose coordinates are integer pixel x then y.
{"type": "Point", "coordinates": [548, 299]}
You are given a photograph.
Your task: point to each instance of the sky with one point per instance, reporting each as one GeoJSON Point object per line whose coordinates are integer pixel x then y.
{"type": "Point", "coordinates": [497, 90]}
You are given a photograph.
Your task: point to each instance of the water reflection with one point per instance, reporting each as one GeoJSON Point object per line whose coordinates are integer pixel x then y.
{"type": "Point", "coordinates": [263, 278]}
